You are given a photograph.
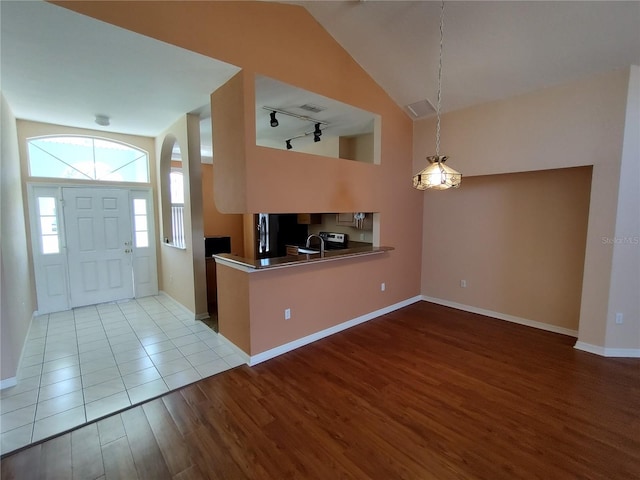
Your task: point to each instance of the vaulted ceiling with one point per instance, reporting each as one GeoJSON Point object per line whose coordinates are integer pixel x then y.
{"type": "Point", "coordinates": [492, 49]}
{"type": "Point", "coordinates": [61, 67]}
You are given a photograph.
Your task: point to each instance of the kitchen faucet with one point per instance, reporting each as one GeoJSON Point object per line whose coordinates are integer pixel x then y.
{"type": "Point", "coordinates": [321, 242]}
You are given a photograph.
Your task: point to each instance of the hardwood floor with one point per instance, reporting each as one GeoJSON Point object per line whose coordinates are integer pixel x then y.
{"type": "Point", "coordinates": [425, 392]}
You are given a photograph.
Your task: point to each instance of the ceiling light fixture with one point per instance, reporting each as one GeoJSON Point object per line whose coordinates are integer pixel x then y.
{"type": "Point", "coordinates": [437, 175]}
{"type": "Point", "coordinates": [288, 143]}
{"type": "Point", "coordinates": [274, 121]}
{"type": "Point", "coordinates": [103, 120]}
{"type": "Point", "coordinates": [316, 137]}
{"type": "Point", "coordinates": [317, 131]}
{"type": "Point", "coordinates": [295, 115]}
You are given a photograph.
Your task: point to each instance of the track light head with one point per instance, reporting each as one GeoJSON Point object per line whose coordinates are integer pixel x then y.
{"type": "Point", "coordinates": [274, 121]}
{"type": "Point", "coordinates": [288, 142]}
{"type": "Point", "coordinates": [316, 137]}
{"type": "Point", "coordinates": [317, 131]}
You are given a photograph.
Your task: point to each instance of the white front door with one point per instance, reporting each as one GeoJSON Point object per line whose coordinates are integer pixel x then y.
{"type": "Point", "coordinates": [99, 244]}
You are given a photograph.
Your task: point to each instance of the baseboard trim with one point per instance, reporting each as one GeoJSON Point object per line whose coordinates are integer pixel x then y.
{"type": "Point", "coordinates": [13, 381]}
{"type": "Point", "coordinates": [608, 352]}
{"type": "Point", "coordinates": [503, 316]}
{"type": "Point", "coordinates": [8, 382]}
{"type": "Point", "coordinates": [287, 347]}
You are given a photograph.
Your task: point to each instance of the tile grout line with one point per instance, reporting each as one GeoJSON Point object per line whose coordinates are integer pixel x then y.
{"type": "Point", "coordinates": [142, 322]}
{"type": "Point", "coordinates": [75, 326]}
{"type": "Point", "coordinates": [35, 411]}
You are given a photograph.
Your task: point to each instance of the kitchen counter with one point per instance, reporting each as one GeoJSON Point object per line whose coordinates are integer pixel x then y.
{"type": "Point", "coordinates": [251, 265]}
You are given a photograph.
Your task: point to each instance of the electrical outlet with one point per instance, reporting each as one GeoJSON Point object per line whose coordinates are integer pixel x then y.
{"type": "Point", "coordinates": [619, 318]}
{"type": "Point", "coordinates": [382, 287]}
{"type": "Point", "coordinates": [463, 283]}
{"type": "Point", "coordinates": [287, 313]}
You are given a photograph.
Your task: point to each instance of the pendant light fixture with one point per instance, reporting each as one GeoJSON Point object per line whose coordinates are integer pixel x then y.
{"type": "Point", "coordinates": [437, 175]}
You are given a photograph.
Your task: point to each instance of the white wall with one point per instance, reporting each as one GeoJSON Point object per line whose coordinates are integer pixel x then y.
{"type": "Point", "coordinates": [17, 288]}
{"type": "Point", "coordinates": [624, 293]}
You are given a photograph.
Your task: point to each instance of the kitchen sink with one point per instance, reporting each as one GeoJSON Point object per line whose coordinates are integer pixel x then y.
{"type": "Point", "coordinates": [296, 250]}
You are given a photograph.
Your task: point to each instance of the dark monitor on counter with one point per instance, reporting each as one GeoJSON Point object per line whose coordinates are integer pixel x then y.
{"type": "Point", "coordinates": [214, 245]}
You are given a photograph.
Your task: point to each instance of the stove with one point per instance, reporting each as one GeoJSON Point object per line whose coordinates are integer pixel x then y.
{"type": "Point", "coordinates": [335, 241]}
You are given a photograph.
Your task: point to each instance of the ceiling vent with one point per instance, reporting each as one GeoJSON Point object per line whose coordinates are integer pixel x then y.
{"type": "Point", "coordinates": [420, 109]}
{"type": "Point", "coordinates": [310, 107]}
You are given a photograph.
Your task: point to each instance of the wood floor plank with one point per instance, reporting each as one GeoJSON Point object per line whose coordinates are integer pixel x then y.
{"type": "Point", "coordinates": [169, 439]}
{"type": "Point", "coordinates": [212, 456]}
{"type": "Point", "coordinates": [86, 454]}
{"type": "Point", "coordinates": [425, 392]}
{"type": "Point", "coordinates": [56, 455]}
{"type": "Point", "coordinates": [185, 418]}
{"type": "Point", "coordinates": [147, 456]}
{"type": "Point", "coordinates": [192, 473]}
{"type": "Point", "coordinates": [110, 429]}
{"type": "Point", "coordinates": [23, 465]}
{"type": "Point", "coordinates": [118, 460]}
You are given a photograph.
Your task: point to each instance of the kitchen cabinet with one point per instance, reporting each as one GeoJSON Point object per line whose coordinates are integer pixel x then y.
{"type": "Point", "coordinates": [309, 218]}
{"type": "Point", "coordinates": [345, 219]}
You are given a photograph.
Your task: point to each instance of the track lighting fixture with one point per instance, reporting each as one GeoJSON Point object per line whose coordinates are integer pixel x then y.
{"type": "Point", "coordinates": [316, 132]}
{"type": "Point", "coordinates": [274, 121]}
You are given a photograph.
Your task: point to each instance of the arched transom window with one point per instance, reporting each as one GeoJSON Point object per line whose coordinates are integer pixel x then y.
{"type": "Point", "coordinates": [87, 158]}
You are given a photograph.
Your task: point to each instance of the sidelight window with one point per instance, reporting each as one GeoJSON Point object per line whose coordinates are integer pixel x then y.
{"type": "Point", "coordinates": [48, 222]}
{"type": "Point", "coordinates": [140, 223]}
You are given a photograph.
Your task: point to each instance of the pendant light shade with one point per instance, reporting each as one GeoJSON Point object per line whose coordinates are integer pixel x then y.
{"type": "Point", "coordinates": [437, 175]}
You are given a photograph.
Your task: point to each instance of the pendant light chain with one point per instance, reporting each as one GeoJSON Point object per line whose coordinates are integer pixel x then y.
{"type": "Point", "coordinates": [437, 175]}
{"type": "Point", "coordinates": [439, 79]}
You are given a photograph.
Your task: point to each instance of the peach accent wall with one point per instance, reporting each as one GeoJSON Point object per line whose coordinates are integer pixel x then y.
{"type": "Point", "coordinates": [234, 316]}
{"type": "Point", "coordinates": [315, 303]}
{"type": "Point", "coordinates": [517, 239]}
{"type": "Point", "coordinates": [17, 287]}
{"type": "Point", "coordinates": [309, 291]}
{"type": "Point", "coordinates": [275, 39]}
{"type": "Point", "coordinates": [576, 124]}
{"type": "Point", "coordinates": [229, 124]}
{"type": "Point", "coordinates": [216, 223]}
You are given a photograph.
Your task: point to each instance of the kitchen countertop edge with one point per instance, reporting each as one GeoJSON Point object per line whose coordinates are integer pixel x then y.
{"type": "Point", "coordinates": [249, 265]}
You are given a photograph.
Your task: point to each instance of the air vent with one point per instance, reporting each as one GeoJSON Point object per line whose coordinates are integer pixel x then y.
{"type": "Point", "coordinates": [310, 107]}
{"type": "Point", "coordinates": [421, 109]}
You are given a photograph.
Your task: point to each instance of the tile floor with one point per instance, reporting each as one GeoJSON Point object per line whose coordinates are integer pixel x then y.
{"type": "Point", "coordinates": [85, 363]}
